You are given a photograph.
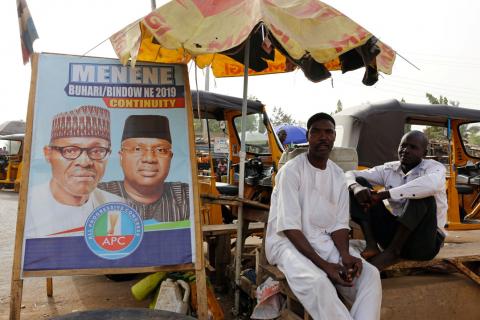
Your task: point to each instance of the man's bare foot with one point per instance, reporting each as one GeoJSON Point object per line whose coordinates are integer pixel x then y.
{"type": "Point", "coordinates": [384, 260]}
{"type": "Point", "coordinates": [369, 253]}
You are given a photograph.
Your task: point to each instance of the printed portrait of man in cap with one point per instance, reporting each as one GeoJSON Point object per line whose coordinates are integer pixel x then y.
{"type": "Point", "coordinates": [78, 154]}
{"type": "Point", "coordinates": [145, 157]}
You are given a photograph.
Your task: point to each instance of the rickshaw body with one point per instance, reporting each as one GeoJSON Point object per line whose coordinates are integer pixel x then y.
{"type": "Point", "coordinates": [263, 150]}
{"type": "Point", "coordinates": [375, 131]}
{"type": "Point", "coordinates": [11, 162]}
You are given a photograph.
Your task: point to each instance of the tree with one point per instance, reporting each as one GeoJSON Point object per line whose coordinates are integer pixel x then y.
{"type": "Point", "coordinates": [339, 107]}
{"type": "Point", "coordinates": [280, 117]}
{"type": "Point", "coordinates": [437, 133]}
{"type": "Point", "coordinates": [441, 100]}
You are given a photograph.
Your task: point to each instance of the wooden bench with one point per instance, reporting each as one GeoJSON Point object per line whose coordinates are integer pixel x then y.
{"type": "Point", "coordinates": [453, 254]}
{"type": "Point", "coordinates": [221, 229]}
{"type": "Point", "coordinates": [218, 236]}
{"type": "Point", "coordinates": [457, 255]}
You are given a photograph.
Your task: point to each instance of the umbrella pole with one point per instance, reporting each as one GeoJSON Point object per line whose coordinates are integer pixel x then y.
{"type": "Point", "coordinates": [241, 182]}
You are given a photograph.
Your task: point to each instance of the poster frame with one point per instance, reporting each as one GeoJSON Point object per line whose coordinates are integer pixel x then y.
{"type": "Point", "coordinates": [17, 275]}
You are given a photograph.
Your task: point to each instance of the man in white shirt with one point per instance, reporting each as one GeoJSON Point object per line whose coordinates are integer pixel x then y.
{"type": "Point", "coordinates": [415, 190]}
{"type": "Point", "coordinates": [307, 234]}
{"type": "Point", "coordinates": [78, 154]}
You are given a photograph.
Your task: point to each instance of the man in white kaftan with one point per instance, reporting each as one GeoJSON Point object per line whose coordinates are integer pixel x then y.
{"type": "Point", "coordinates": [311, 198]}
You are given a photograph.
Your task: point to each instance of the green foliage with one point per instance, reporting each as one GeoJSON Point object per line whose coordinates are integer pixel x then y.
{"type": "Point", "coordinates": [474, 139]}
{"type": "Point", "coordinates": [441, 100]}
{"type": "Point", "coordinates": [253, 121]}
{"type": "Point", "coordinates": [438, 133]}
{"type": "Point", "coordinates": [213, 126]}
{"type": "Point", "coordinates": [279, 117]}
{"type": "Point", "coordinates": [435, 133]}
{"type": "Point", "coordinates": [338, 108]}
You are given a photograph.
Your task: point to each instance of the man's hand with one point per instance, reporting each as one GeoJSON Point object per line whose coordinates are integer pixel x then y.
{"type": "Point", "coordinates": [362, 194]}
{"type": "Point", "coordinates": [353, 265]}
{"type": "Point", "coordinates": [338, 274]}
{"type": "Point", "coordinates": [379, 196]}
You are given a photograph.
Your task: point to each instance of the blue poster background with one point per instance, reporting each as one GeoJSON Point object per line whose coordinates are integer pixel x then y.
{"type": "Point", "coordinates": [164, 247]}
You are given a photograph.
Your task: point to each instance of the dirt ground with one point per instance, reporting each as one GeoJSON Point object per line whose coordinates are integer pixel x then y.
{"type": "Point", "coordinates": [70, 294]}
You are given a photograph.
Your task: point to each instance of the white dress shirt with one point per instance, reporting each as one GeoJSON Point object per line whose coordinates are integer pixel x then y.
{"type": "Point", "coordinates": [426, 179]}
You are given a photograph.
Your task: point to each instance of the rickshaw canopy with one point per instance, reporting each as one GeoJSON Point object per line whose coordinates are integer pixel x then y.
{"type": "Point", "coordinates": [213, 105]}
{"type": "Point", "coordinates": [375, 129]}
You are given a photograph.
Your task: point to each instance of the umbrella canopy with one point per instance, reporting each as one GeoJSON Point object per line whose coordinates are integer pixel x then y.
{"type": "Point", "coordinates": [295, 134]}
{"type": "Point", "coordinates": [12, 127]}
{"type": "Point", "coordinates": [283, 36]}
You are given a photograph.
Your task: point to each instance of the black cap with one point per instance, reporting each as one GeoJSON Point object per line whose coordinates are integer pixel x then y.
{"type": "Point", "coordinates": [147, 126]}
{"type": "Point", "coordinates": [319, 116]}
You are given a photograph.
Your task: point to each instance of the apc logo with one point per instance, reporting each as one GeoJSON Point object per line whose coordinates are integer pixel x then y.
{"type": "Point", "coordinates": [113, 231]}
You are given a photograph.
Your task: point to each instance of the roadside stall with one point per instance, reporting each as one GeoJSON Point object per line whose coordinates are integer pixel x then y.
{"type": "Point", "coordinates": [263, 37]}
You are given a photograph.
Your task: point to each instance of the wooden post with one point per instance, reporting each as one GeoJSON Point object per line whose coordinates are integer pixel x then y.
{"type": "Point", "coordinates": [49, 287]}
{"type": "Point", "coordinates": [17, 282]}
{"type": "Point", "coordinates": [200, 278]}
{"type": "Point", "coordinates": [16, 299]}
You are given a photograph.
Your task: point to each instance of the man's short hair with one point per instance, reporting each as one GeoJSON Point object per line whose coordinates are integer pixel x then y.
{"type": "Point", "coordinates": [319, 116]}
{"type": "Point", "coordinates": [84, 121]}
{"type": "Point", "coordinates": [147, 126]}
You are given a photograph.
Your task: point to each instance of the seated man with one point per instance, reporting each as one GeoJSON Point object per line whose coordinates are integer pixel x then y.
{"type": "Point", "coordinates": [415, 189]}
{"type": "Point", "coordinates": [307, 233]}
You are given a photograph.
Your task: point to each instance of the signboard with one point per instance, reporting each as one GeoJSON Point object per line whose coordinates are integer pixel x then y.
{"type": "Point", "coordinates": [109, 185]}
{"type": "Point", "coordinates": [220, 145]}
{"type": "Point", "coordinates": [110, 172]}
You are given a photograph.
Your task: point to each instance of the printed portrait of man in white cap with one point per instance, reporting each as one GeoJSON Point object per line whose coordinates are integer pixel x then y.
{"type": "Point", "coordinates": [145, 157]}
{"type": "Point", "coordinates": [78, 154]}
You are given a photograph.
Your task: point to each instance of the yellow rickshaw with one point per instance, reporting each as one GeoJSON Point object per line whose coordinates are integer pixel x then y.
{"type": "Point", "coordinates": [375, 131]}
{"type": "Point", "coordinates": [11, 161]}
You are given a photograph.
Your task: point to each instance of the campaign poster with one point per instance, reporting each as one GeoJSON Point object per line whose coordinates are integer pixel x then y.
{"type": "Point", "coordinates": [110, 178]}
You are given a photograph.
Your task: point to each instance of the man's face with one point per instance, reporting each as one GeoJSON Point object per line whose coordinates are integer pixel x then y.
{"type": "Point", "coordinates": [411, 150]}
{"type": "Point", "coordinates": [145, 161]}
{"type": "Point", "coordinates": [77, 177]}
{"type": "Point", "coordinates": [321, 137]}
{"type": "Point", "coordinates": [282, 135]}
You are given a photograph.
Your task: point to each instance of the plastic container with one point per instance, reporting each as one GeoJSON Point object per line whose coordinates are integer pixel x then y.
{"type": "Point", "coordinates": [170, 297]}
